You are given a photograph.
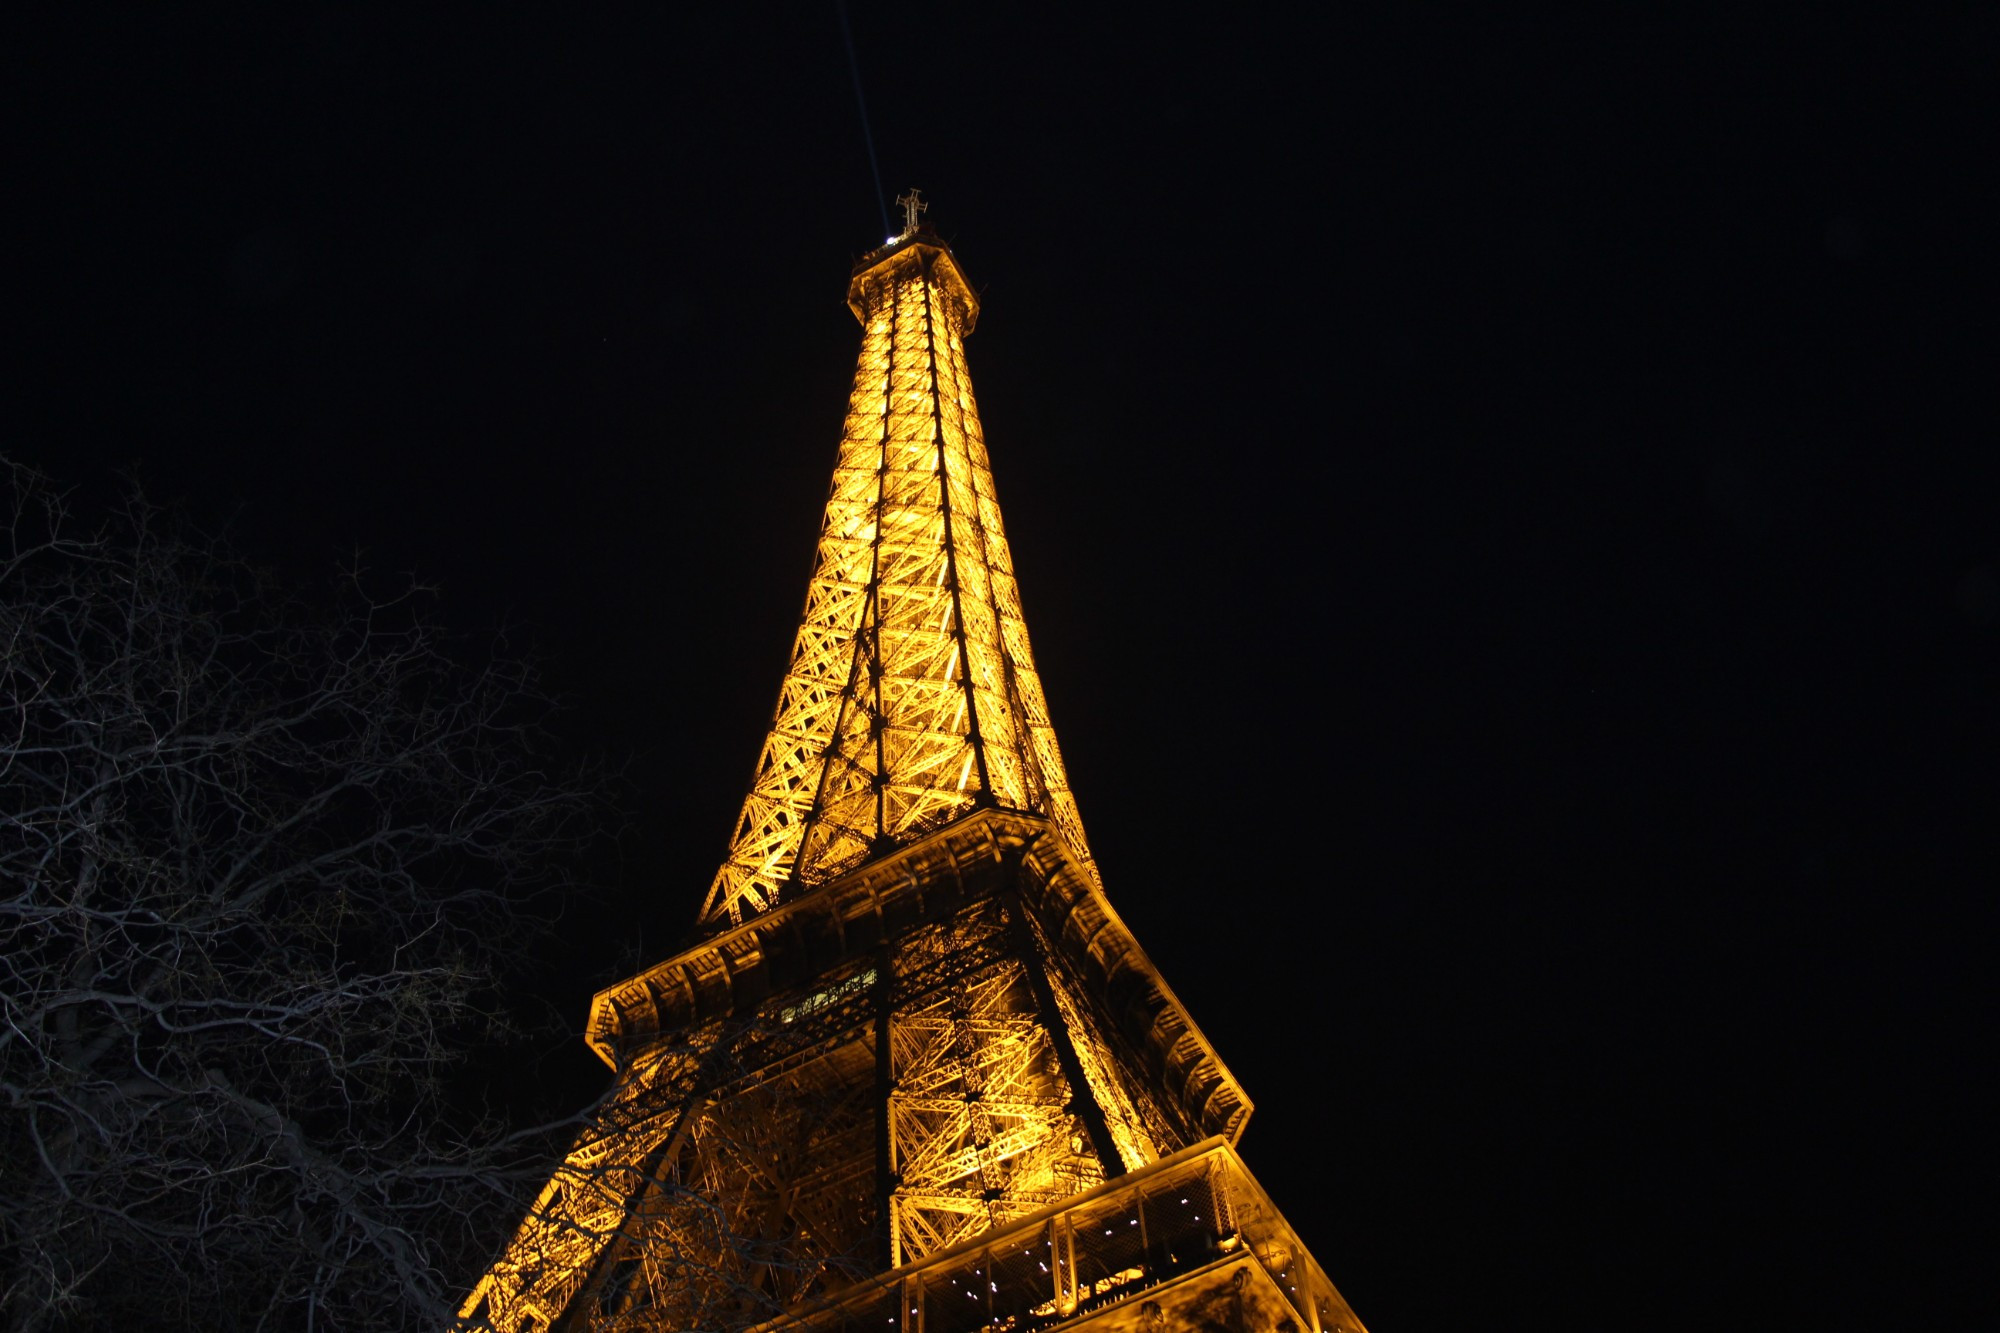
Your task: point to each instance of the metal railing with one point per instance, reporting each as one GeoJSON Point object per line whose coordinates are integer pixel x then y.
{"type": "Point", "coordinates": [1107, 1245]}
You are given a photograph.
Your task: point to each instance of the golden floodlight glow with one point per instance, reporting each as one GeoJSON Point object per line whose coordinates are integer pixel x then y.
{"type": "Point", "coordinates": [911, 696]}
{"type": "Point", "coordinates": [914, 1074]}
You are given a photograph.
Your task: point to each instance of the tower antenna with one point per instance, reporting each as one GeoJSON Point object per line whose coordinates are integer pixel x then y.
{"type": "Point", "coordinates": [867, 134]}
{"type": "Point", "coordinates": [912, 203]}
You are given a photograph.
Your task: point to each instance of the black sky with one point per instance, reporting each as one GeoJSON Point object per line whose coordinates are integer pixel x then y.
{"type": "Point", "coordinates": [1506, 508]}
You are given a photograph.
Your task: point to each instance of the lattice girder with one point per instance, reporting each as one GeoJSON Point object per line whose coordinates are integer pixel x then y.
{"type": "Point", "coordinates": [980, 1119]}
{"type": "Point", "coordinates": [944, 938]}
{"type": "Point", "coordinates": [911, 695]}
{"type": "Point", "coordinates": [912, 1018]}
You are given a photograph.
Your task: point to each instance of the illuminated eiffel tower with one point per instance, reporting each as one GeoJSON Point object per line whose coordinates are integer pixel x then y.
{"type": "Point", "coordinates": [914, 1075]}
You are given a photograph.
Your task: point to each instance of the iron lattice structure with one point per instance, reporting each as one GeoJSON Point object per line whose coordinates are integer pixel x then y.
{"type": "Point", "coordinates": [913, 1029]}
{"type": "Point", "coordinates": [911, 696]}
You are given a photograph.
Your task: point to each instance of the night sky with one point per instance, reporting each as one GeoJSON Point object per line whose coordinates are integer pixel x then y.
{"type": "Point", "coordinates": [1508, 511]}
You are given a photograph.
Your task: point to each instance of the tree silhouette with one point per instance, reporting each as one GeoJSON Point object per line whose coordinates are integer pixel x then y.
{"type": "Point", "coordinates": [262, 866]}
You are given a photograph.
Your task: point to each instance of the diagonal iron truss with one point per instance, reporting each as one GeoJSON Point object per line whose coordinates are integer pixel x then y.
{"type": "Point", "coordinates": [911, 696]}
{"type": "Point", "coordinates": [737, 1171]}
{"type": "Point", "coordinates": [979, 1120]}
{"type": "Point", "coordinates": [911, 1022]}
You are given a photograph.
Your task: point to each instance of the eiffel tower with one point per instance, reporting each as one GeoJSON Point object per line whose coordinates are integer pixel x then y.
{"type": "Point", "coordinates": [914, 1074]}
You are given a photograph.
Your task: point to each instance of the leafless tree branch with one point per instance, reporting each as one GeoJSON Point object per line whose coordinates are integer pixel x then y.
{"type": "Point", "coordinates": [262, 865]}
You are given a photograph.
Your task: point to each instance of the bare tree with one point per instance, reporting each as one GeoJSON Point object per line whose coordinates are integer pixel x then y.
{"type": "Point", "coordinates": [261, 867]}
